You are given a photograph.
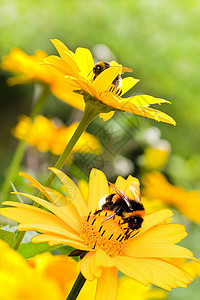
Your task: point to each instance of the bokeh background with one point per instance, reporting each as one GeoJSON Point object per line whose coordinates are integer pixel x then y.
{"type": "Point", "coordinates": [159, 40]}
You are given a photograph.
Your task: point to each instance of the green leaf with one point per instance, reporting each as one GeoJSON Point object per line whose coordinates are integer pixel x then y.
{"type": "Point", "coordinates": [29, 249]}
{"type": "Point", "coordinates": [8, 237]}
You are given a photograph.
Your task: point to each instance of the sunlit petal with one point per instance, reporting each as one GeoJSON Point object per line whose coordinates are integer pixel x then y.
{"type": "Point", "coordinates": [108, 279]}
{"type": "Point", "coordinates": [98, 188]}
{"type": "Point", "coordinates": [127, 84]}
{"type": "Point", "coordinates": [84, 60]}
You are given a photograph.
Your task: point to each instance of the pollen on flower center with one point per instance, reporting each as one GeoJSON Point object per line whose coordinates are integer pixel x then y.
{"type": "Point", "coordinates": [111, 235]}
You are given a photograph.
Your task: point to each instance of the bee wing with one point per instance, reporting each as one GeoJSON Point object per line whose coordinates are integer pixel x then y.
{"type": "Point", "coordinates": [121, 194]}
{"type": "Point", "coordinates": [135, 189]}
{"type": "Point", "coordinates": [125, 69]}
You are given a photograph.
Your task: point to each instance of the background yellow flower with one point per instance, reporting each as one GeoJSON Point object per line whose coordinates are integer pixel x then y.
{"type": "Point", "coordinates": [52, 135]}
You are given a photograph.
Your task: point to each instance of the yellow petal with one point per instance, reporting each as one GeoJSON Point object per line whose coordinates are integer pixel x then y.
{"type": "Point", "coordinates": [85, 266]}
{"type": "Point", "coordinates": [84, 60]}
{"type": "Point", "coordinates": [56, 198]}
{"type": "Point", "coordinates": [125, 105]}
{"type": "Point", "coordinates": [93, 263]}
{"type": "Point", "coordinates": [158, 250]}
{"type": "Point", "coordinates": [55, 239]}
{"type": "Point", "coordinates": [127, 84]}
{"type": "Point", "coordinates": [106, 116]}
{"type": "Point", "coordinates": [73, 191]}
{"type": "Point", "coordinates": [67, 56]}
{"type": "Point", "coordinates": [126, 184]}
{"type": "Point", "coordinates": [59, 64]}
{"type": "Point", "coordinates": [155, 271]}
{"type": "Point", "coordinates": [98, 188]}
{"type": "Point", "coordinates": [155, 218]}
{"type": "Point", "coordinates": [28, 214]}
{"type": "Point", "coordinates": [145, 100]}
{"type": "Point", "coordinates": [65, 92]}
{"type": "Point", "coordinates": [65, 204]}
{"type": "Point", "coordinates": [61, 48]}
{"type": "Point", "coordinates": [167, 233]}
{"type": "Point", "coordinates": [43, 228]}
{"type": "Point", "coordinates": [107, 285]}
{"type": "Point", "coordinates": [105, 78]}
{"type": "Point", "coordinates": [74, 227]}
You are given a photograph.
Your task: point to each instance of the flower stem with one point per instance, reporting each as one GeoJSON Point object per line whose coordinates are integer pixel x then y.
{"type": "Point", "coordinates": [76, 287]}
{"type": "Point", "coordinates": [39, 100]}
{"type": "Point", "coordinates": [89, 114]}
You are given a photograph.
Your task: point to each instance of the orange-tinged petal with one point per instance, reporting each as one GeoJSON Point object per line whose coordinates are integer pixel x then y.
{"type": "Point", "coordinates": [56, 211]}
{"type": "Point", "coordinates": [151, 270]}
{"type": "Point", "coordinates": [84, 60]}
{"type": "Point", "coordinates": [166, 233]}
{"type": "Point", "coordinates": [73, 191]}
{"type": "Point", "coordinates": [127, 84]}
{"type": "Point", "coordinates": [157, 250]}
{"type": "Point", "coordinates": [105, 78]}
{"type": "Point", "coordinates": [98, 188]}
{"type": "Point", "coordinates": [107, 285]}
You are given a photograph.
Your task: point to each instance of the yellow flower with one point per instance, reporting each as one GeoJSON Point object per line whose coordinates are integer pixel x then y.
{"type": "Point", "coordinates": [27, 66]}
{"type": "Point", "coordinates": [157, 186]}
{"type": "Point", "coordinates": [46, 135]}
{"type": "Point", "coordinates": [61, 269]}
{"type": "Point", "coordinates": [20, 281]}
{"type": "Point", "coordinates": [155, 157]}
{"type": "Point", "coordinates": [108, 245]}
{"type": "Point", "coordinates": [128, 289]}
{"type": "Point", "coordinates": [74, 72]}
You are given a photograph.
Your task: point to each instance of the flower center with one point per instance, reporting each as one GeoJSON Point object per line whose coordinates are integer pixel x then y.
{"type": "Point", "coordinates": [111, 235]}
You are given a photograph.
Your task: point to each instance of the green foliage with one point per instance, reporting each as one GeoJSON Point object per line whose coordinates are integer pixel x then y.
{"type": "Point", "coordinates": [8, 237]}
{"type": "Point", "coordinates": [29, 249]}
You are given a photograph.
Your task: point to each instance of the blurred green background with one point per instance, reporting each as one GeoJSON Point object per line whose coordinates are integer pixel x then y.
{"type": "Point", "coordinates": [158, 39]}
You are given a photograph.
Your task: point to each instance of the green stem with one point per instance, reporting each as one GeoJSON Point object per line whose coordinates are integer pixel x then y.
{"type": "Point", "coordinates": [76, 287]}
{"type": "Point", "coordinates": [89, 114]}
{"type": "Point", "coordinates": [19, 153]}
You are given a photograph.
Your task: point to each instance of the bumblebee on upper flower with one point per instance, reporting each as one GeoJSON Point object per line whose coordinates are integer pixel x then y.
{"type": "Point", "coordinates": [78, 78]}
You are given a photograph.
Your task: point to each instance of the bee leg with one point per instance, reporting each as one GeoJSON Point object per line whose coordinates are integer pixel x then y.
{"type": "Point", "coordinates": [109, 217]}
{"type": "Point", "coordinates": [97, 212]}
{"type": "Point", "coordinates": [115, 213]}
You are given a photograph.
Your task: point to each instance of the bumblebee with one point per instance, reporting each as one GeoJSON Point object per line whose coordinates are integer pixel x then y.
{"type": "Point", "coordinates": [102, 65]}
{"type": "Point", "coordinates": [130, 210]}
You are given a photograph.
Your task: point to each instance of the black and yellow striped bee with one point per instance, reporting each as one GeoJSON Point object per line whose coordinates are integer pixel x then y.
{"type": "Point", "coordinates": [131, 211]}
{"type": "Point", "coordinates": [102, 65]}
